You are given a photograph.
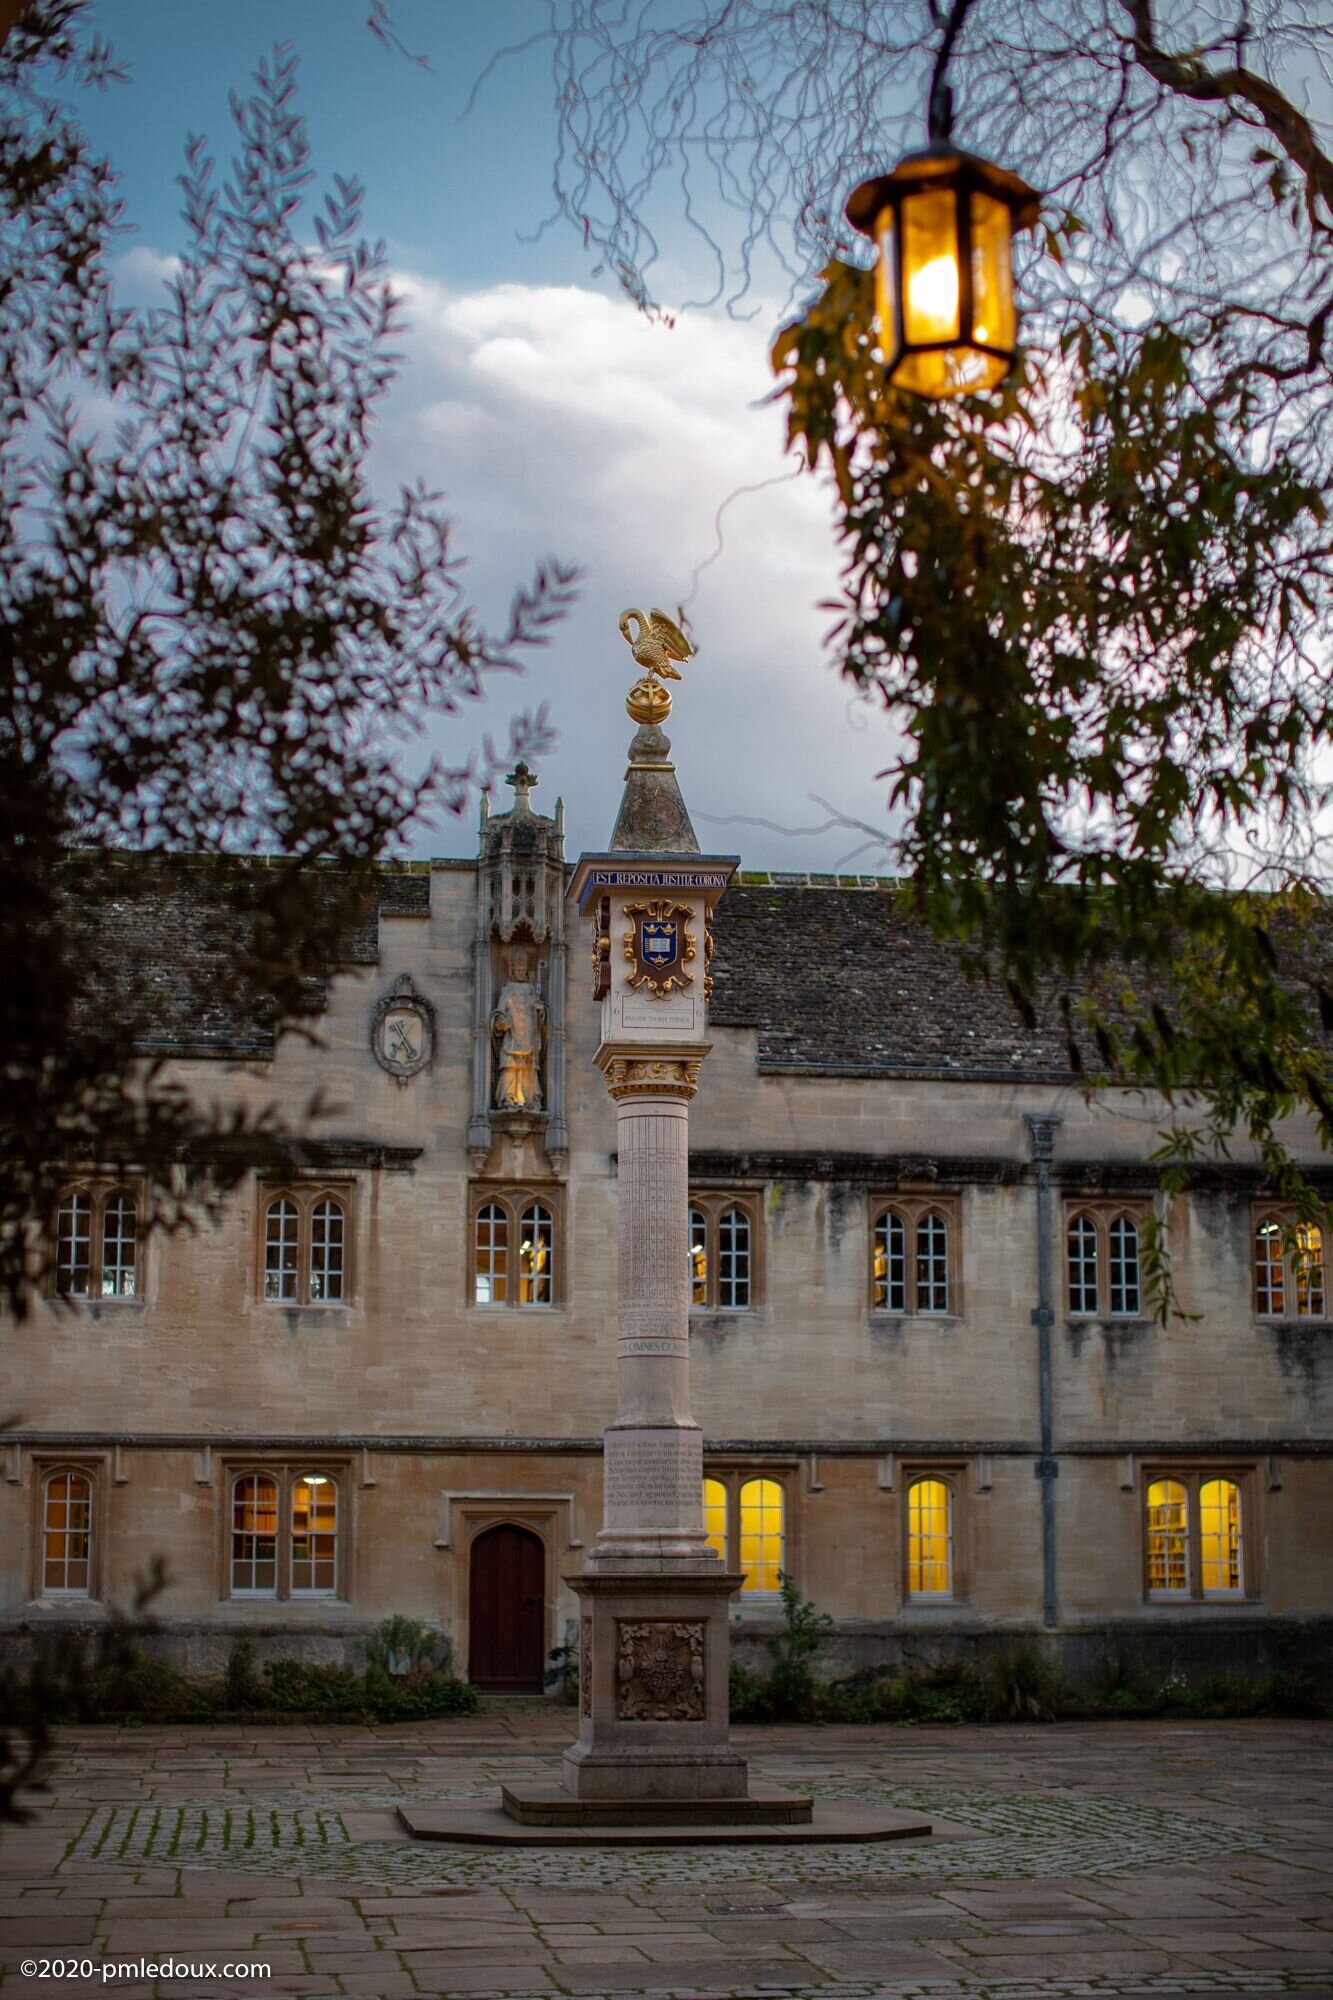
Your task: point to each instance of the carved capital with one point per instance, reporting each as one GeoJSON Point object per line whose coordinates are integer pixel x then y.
{"type": "Point", "coordinates": [653, 1076]}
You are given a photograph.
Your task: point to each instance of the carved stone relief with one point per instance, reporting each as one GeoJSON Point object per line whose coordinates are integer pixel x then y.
{"type": "Point", "coordinates": [585, 1667]}
{"type": "Point", "coordinates": [660, 1670]}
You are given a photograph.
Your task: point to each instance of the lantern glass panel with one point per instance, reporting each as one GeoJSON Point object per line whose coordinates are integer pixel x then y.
{"type": "Point", "coordinates": [886, 282]}
{"type": "Point", "coordinates": [930, 268]}
{"type": "Point", "coordinates": [993, 322]}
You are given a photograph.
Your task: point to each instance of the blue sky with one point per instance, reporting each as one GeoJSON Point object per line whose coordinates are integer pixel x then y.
{"type": "Point", "coordinates": [556, 418]}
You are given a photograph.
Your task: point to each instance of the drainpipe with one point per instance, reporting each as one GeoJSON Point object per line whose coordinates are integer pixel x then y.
{"type": "Point", "coordinates": [1041, 1141]}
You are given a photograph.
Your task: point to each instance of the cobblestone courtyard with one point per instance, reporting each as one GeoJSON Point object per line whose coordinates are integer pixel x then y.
{"type": "Point", "coordinates": [1129, 1858]}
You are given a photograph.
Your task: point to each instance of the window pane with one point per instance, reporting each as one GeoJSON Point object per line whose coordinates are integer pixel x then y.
{"type": "Point", "coordinates": [328, 1229]}
{"type": "Point", "coordinates": [74, 1242]}
{"type": "Point", "coordinates": [761, 1533]}
{"type": "Point", "coordinates": [536, 1256]}
{"type": "Point", "coordinates": [1308, 1271]}
{"type": "Point", "coordinates": [1168, 1537]}
{"type": "Point", "coordinates": [889, 1270]}
{"type": "Point", "coordinates": [932, 1264]}
{"type": "Point", "coordinates": [67, 1532]}
{"type": "Point", "coordinates": [314, 1536]}
{"type": "Point", "coordinates": [698, 1258]}
{"type": "Point", "coordinates": [254, 1536]}
{"type": "Point", "coordinates": [1268, 1295]}
{"type": "Point", "coordinates": [929, 1539]}
{"type": "Point", "coordinates": [1082, 1249]}
{"type": "Point", "coordinates": [1124, 1262]}
{"type": "Point", "coordinates": [715, 1516]}
{"type": "Point", "coordinates": [733, 1259]}
{"type": "Point", "coordinates": [491, 1256]}
{"type": "Point", "coordinates": [120, 1229]}
{"type": "Point", "coordinates": [280, 1249]}
{"type": "Point", "coordinates": [1219, 1534]}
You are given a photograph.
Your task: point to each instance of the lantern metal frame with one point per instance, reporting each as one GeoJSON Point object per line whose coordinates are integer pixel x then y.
{"type": "Point", "coordinates": [940, 168]}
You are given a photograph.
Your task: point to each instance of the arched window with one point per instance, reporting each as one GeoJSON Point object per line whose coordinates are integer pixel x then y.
{"type": "Point", "coordinates": [536, 1256]}
{"type": "Point", "coordinates": [1123, 1263]}
{"type": "Point", "coordinates": [314, 1535]}
{"type": "Point", "coordinates": [889, 1286]}
{"type": "Point", "coordinates": [1168, 1538]}
{"type": "Point", "coordinates": [328, 1230]}
{"type": "Point", "coordinates": [67, 1534]}
{"type": "Point", "coordinates": [929, 1538]}
{"type": "Point", "coordinates": [761, 1550]}
{"type": "Point", "coordinates": [932, 1263]}
{"type": "Point", "coordinates": [282, 1223]}
{"type": "Point", "coordinates": [733, 1260]}
{"type": "Point", "coordinates": [698, 1257]}
{"type": "Point", "coordinates": [491, 1255]}
{"type": "Point", "coordinates": [715, 1516]}
{"type": "Point", "coordinates": [1081, 1244]}
{"type": "Point", "coordinates": [74, 1246]}
{"type": "Point", "coordinates": [1220, 1555]}
{"type": "Point", "coordinates": [1289, 1272]}
{"type": "Point", "coordinates": [254, 1536]}
{"type": "Point", "coordinates": [1308, 1271]}
{"type": "Point", "coordinates": [1269, 1293]}
{"type": "Point", "coordinates": [120, 1242]}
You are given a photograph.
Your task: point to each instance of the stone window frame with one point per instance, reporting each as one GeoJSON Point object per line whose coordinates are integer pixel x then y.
{"type": "Point", "coordinates": [285, 1472]}
{"type": "Point", "coordinates": [91, 1467]}
{"type": "Point", "coordinates": [98, 1189]}
{"type": "Point", "coordinates": [712, 1203]}
{"type": "Point", "coordinates": [516, 1200]}
{"type": "Point", "coordinates": [1193, 1477]}
{"type": "Point", "coordinates": [1103, 1211]}
{"type": "Point", "coordinates": [912, 1207]}
{"type": "Point", "coordinates": [1285, 1219]}
{"type": "Point", "coordinates": [307, 1195]}
{"type": "Point", "coordinates": [732, 1475]}
{"type": "Point", "coordinates": [952, 1473]}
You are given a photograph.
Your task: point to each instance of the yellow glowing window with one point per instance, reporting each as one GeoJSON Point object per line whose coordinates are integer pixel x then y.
{"type": "Point", "coordinates": [698, 1258]}
{"type": "Point", "coordinates": [761, 1533]}
{"type": "Point", "coordinates": [314, 1536]}
{"type": "Point", "coordinates": [1168, 1538]}
{"type": "Point", "coordinates": [1268, 1287]}
{"type": "Point", "coordinates": [67, 1532]}
{"type": "Point", "coordinates": [1219, 1538]}
{"type": "Point", "coordinates": [1308, 1271]}
{"type": "Point", "coordinates": [889, 1264]}
{"type": "Point", "coordinates": [535, 1256]}
{"type": "Point", "coordinates": [715, 1516]}
{"type": "Point", "coordinates": [929, 1539]}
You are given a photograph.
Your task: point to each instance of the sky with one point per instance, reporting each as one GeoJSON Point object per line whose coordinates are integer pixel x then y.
{"type": "Point", "coordinates": [554, 416]}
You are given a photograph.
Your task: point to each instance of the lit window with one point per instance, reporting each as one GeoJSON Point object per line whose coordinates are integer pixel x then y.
{"type": "Point", "coordinates": [1082, 1251]}
{"type": "Point", "coordinates": [715, 1516]}
{"type": "Point", "coordinates": [307, 1239]}
{"type": "Point", "coordinates": [698, 1258]}
{"type": "Point", "coordinates": [723, 1265]}
{"type": "Point", "coordinates": [254, 1536]}
{"type": "Point", "coordinates": [97, 1244]}
{"type": "Point", "coordinates": [491, 1263]}
{"type": "Point", "coordinates": [67, 1535]}
{"type": "Point", "coordinates": [890, 1263]}
{"type": "Point", "coordinates": [1124, 1267]}
{"type": "Point", "coordinates": [761, 1554]}
{"type": "Point", "coordinates": [929, 1539]}
{"type": "Point", "coordinates": [1168, 1539]}
{"type": "Point", "coordinates": [1219, 1538]}
{"type": "Point", "coordinates": [932, 1264]}
{"type": "Point", "coordinates": [1289, 1274]}
{"type": "Point", "coordinates": [314, 1536]}
{"type": "Point", "coordinates": [536, 1256]}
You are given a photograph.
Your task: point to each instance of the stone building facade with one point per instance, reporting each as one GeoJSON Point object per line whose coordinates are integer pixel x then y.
{"type": "Point", "coordinates": [379, 1387]}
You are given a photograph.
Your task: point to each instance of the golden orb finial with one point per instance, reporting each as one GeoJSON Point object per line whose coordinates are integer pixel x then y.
{"type": "Point", "coordinates": [656, 643]}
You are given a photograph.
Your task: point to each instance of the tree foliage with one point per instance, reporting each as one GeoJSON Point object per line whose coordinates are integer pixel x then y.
{"type": "Point", "coordinates": [1095, 604]}
{"type": "Point", "coordinates": [215, 638]}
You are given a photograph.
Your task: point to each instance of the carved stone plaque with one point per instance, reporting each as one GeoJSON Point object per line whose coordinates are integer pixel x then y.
{"type": "Point", "coordinates": [402, 1030]}
{"type": "Point", "coordinates": [660, 1670]}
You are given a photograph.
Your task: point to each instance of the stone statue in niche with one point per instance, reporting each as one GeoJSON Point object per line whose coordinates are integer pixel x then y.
{"type": "Point", "coordinates": [518, 1025]}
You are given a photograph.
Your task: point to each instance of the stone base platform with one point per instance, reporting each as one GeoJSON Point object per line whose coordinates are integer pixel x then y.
{"type": "Point", "coordinates": [480, 1825]}
{"type": "Point", "coordinates": [548, 1805]}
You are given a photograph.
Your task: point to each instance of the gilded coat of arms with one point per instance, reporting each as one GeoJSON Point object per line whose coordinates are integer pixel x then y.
{"type": "Point", "coordinates": [660, 947]}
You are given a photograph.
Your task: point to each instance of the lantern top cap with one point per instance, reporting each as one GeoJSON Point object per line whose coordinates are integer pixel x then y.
{"type": "Point", "coordinates": [942, 161]}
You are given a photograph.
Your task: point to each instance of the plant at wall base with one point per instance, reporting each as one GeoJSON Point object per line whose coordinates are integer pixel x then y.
{"type": "Point", "coordinates": [562, 1673]}
{"type": "Point", "coordinates": [1024, 1687]}
{"type": "Point", "coordinates": [240, 1683]}
{"type": "Point", "coordinates": [408, 1650]}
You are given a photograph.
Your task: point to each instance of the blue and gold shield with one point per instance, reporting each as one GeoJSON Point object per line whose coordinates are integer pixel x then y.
{"type": "Point", "coordinates": [659, 947]}
{"type": "Point", "coordinates": [661, 943]}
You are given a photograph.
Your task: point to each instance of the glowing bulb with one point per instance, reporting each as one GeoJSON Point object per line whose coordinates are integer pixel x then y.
{"type": "Point", "coordinates": [932, 293]}
{"type": "Point", "coordinates": [979, 333]}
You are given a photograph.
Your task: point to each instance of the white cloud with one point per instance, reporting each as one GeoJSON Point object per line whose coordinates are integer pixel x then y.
{"type": "Point", "coordinates": [560, 421]}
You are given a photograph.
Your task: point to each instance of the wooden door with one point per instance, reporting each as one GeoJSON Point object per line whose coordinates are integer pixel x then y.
{"type": "Point", "coordinates": [507, 1612]}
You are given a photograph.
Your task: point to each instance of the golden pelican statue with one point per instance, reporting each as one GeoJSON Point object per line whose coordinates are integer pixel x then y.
{"type": "Point", "coordinates": [656, 642]}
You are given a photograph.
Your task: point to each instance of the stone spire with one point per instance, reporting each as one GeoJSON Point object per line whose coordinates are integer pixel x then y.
{"type": "Point", "coordinates": [653, 818]}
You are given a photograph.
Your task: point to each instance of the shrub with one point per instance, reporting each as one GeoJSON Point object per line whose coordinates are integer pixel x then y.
{"type": "Point", "coordinates": [240, 1684]}
{"type": "Point", "coordinates": [406, 1649]}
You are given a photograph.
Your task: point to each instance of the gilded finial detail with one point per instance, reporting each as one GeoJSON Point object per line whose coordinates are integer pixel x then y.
{"type": "Point", "coordinates": [655, 642]}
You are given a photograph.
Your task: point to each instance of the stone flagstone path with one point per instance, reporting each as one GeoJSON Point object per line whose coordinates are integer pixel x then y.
{"type": "Point", "coordinates": [1109, 1859]}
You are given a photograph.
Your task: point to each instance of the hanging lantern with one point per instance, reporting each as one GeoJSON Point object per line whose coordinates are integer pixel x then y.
{"type": "Point", "coordinates": [943, 224]}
